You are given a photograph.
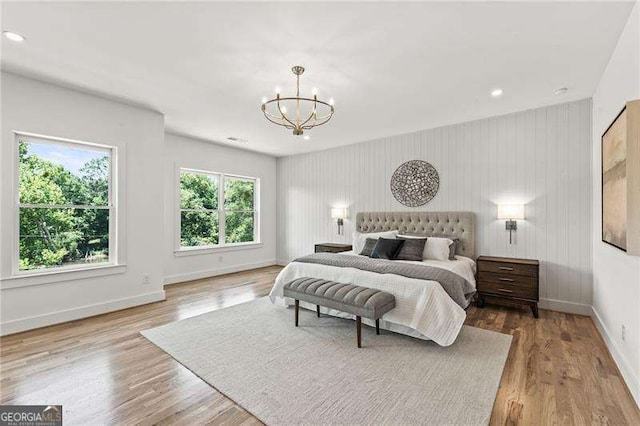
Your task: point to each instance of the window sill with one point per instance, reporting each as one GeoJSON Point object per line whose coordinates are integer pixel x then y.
{"type": "Point", "coordinates": [47, 277]}
{"type": "Point", "coordinates": [197, 251]}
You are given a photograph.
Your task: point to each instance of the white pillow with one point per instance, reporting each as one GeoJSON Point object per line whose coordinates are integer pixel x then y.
{"type": "Point", "coordinates": [359, 238]}
{"type": "Point", "coordinates": [437, 248]}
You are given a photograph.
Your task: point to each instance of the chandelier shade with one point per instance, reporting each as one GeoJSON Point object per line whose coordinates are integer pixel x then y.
{"type": "Point", "coordinates": [295, 112]}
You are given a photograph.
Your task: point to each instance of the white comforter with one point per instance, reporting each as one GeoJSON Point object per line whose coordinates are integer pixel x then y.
{"type": "Point", "coordinates": [423, 309]}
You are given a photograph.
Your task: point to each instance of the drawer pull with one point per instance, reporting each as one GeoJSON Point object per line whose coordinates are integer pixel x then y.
{"type": "Point", "coordinates": [505, 268]}
{"type": "Point", "coordinates": [506, 279]}
{"type": "Point", "coordinates": [504, 290]}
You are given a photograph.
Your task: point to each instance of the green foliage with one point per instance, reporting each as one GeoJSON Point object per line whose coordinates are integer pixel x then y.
{"type": "Point", "coordinates": [238, 194]}
{"type": "Point", "coordinates": [198, 192]}
{"type": "Point", "coordinates": [199, 218]}
{"type": "Point", "coordinates": [53, 236]}
{"type": "Point", "coordinates": [199, 228]}
{"type": "Point", "coordinates": [238, 203]}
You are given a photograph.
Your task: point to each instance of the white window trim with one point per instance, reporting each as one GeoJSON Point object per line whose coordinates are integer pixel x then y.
{"type": "Point", "coordinates": [116, 263]}
{"type": "Point", "coordinates": [62, 274]}
{"type": "Point", "coordinates": [222, 246]}
{"type": "Point", "coordinates": [198, 251]}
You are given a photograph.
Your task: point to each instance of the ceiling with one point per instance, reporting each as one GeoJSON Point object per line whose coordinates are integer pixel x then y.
{"type": "Point", "coordinates": [392, 68]}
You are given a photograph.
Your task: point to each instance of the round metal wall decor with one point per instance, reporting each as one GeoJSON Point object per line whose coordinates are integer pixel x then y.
{"type": "Point", "coordinates": [415, 183]}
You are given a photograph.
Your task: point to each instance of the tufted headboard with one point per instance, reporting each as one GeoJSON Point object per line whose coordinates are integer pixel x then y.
{"type": "Point", "coordinates": [461, 225]}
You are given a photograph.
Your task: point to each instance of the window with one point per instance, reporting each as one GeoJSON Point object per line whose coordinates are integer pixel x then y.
{"type": "Point", "coordinates": [199, 216]}
{"type": "Point", "coordinates": [217, 210]}
{"type": "Point", "coordinates": [65, 204]}
{"type": "Point", "coordinates": [239, 211]}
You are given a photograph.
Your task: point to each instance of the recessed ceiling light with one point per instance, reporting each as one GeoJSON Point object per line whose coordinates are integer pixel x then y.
{"type": "Point", "coordinates": [13, 36]}
{"type": "Point", "coordinates": [560, 91]}
{"type": "Point", "coordinates": [496, 93]}
{"type": "Point", "coordinates": [306, 137]}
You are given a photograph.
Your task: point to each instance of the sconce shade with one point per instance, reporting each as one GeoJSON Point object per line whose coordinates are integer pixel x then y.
{"type": "Point", "coordinates": [511, 211]}
{"type": "Point", "coordinates": [338, 213]}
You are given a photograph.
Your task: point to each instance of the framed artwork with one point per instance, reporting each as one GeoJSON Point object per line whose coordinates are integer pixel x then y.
{"type": "Point", "coordinates": [614, 182]}
{"type": "Point", "coordinates": [415, 183]}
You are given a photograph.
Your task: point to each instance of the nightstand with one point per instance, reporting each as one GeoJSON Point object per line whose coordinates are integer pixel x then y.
{"type": "Point", "coordinates": [332, 248]}
{"type": "Point", "coordinates": [508, 280]}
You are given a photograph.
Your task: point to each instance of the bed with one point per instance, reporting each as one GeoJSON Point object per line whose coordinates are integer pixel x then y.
{"type": "Point", "coordinates": [426, 308]}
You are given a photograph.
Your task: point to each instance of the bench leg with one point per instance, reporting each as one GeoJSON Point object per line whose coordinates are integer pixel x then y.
{"type": "Point", "coordinates": [297, 309]}
{"type": "Point", "coordinates": [377, 326]}
{"type": "Point", "coordinates": [318, 310]}
{"type": "Point", "coordinates": [359, 330]}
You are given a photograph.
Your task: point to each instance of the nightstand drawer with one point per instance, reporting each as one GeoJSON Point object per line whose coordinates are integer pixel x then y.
{"type": "Point", "coordinates": [508, 290]}
{"type": "Point", "coordinates": [508, 279]}
{"type": "Point", "coordinates": [508, 268]}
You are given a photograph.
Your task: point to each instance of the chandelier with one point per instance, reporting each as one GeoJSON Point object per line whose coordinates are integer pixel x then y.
{"type": "Point", "coordinates": [306, 113]}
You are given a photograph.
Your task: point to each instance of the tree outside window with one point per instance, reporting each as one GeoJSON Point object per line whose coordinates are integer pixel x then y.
{"type": "Point", "coordinates": [64, 203]}
{"type": "Point", "coordinates": [239, 197]}
{"type": "Point", "coordinates": [216, 209]}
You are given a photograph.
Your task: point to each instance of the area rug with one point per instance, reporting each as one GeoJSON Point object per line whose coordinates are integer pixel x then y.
{"type": "Point", "coordinates": [315, 374]}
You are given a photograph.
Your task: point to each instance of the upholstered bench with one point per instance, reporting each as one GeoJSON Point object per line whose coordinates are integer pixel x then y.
{"type": "Point", "coordinates": [352, 299]}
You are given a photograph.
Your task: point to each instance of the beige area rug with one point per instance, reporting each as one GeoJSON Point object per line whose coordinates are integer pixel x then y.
{"type": "Point", "coordinates": [315, 374]}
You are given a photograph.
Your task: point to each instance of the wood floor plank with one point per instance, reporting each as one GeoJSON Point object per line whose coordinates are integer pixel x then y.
{"type": "Point", "coordinates": [104, 372]}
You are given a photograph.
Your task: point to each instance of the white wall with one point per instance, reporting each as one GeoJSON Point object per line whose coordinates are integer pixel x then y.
{"type": "Point", "coordinates": [616, 276]}
{"type": "Point", "coordinates": [540, 157]}
{"type": "Point", "coordinates": [32, 106]}
{"type": "Point", "coordinates": [195, 154]}
{"type": "Point", "coordinates": [148, 193]}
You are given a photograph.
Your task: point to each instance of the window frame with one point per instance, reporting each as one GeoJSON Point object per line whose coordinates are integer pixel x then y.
{"type": "Point", "coordinates": [222, 245]}
{"type": "Point", "coordinates": [113, 265]}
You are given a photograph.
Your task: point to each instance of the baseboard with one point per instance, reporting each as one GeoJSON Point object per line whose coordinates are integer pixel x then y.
{"type": "Point", "coordinates": [562, 306]}
{"type": "Point", "coordinates": [282, 262]}
{"type": "Point", "coordinates": [30, 323]}
{"type": "Point", "coordinates": [630, 378]}
{"type": "Point", "coordinates": [190, 276]}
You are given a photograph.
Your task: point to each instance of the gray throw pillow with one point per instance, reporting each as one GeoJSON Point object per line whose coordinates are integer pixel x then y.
{"type": "Point", "coordinates": [453, 248]}
{"type": "Point", "coordinates": [369, 245]}
{"type": "Point", "coordinates": [412, 249]}
{"type": "Point", "coordinates": [386, 248]}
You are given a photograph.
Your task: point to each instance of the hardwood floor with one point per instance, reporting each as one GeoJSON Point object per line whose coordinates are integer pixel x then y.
{"type": "Point", "coordinates": [103, 371]}
{"type": "Point", "coordinates": [559, 371]}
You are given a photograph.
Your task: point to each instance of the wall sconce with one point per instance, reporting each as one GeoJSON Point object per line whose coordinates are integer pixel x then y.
{"type": "Point", "coordinates": [511, 212]}
{"type": "Point", "coordinates": [339, 213]}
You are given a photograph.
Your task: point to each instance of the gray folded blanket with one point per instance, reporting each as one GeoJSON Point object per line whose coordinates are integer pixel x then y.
{"type": "Point", "coordinates": [458, 288]}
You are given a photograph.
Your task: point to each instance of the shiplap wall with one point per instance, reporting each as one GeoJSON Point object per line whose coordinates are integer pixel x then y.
{"type": "Point", "coordinates": [540, 157]}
